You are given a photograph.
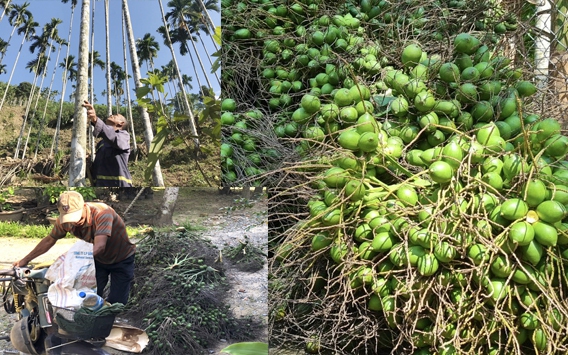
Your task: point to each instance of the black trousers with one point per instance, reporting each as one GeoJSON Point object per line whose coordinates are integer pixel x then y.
{"type": "Point", "coordinates": [121, 275]}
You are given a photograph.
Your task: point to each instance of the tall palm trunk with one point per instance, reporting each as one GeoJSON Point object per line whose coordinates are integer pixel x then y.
{"type": "Point", "coordinates": [173, 92]}
{"type": "Point", "coordinates": [187, 107]}
{"type": "Point", "coordinates": [41, 123]}
{"type": "Point", "coordinates": [90, 136]}
{"type": "Point", "coordinates": [13, 69]}
{"type": "Point", "coordinates": [109, 90]}
{"type": "Point", "coordinates": [26, 114]}
{"type": "Point", "coordinates": [43, 75]}
{"type": "Point", "coordinates": [33, 116]}
{"type": "Point", "coordinates": [210, 22]}
{"type": "Point", "coordinates": [55, 145]}
{"type": "Point", "coordinates": [210, 35]}
{"type": "Point", "coordinates": [4, 11]}
{"type": "Point", "coordinates": [58, 126]}
{"type": "Point", "coordinates": [208, 56]}
{"type": "Point", "coordinates": [77, 167]}
{"type": "Point", "coordinates": [157, 178]}
{"type": "Point", "coordinates": [199, 59]}
{"type": "Point", "coordinates": [8, 43]}
{"type": "Point", "coordinates": [194, 68]}
{"type": "Point", "coordinates": [129, 105]}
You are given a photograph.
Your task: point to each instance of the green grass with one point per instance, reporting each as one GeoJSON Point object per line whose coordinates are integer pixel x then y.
{"type": "Point", "coordinates": [19, 230]}
{"type": "Point", "coordinates": [191, 227]}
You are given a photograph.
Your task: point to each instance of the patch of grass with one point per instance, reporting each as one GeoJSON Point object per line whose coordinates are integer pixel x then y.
{"type": "Point", "coordinates": [19, 230]}
{"type": "Point", "coordinates": [191, 227]}
{"type": "Point", "coordinates": [132, 231]}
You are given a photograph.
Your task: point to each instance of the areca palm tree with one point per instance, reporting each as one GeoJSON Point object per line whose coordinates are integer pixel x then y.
{"type": "Point", "coordinates": [3, 48]}
{"type": "Point", "coordinates": [118, 75]}
{"type": "Point", "coordinates": [77, 167]}
{"type": "Point", "coordinates": [169, 40]}
{"type": "Point", "coordinates": [69, 71]}
{"type": "Point", "coordinates": [49, 34]}
{"type": "Point", "coordinates": [208, 5]}
{"type": "Point", "coordinates": [18, 15]}
{"type": "Point", "coordinates": [43, 43]}
{"type": "Point", "coordinates": [180, 17]}
{"type": "Point", "coordinates": [202, 20]}
{"type": "Point", "coordinates": [108, 74]}
{"type": "Point", "coordinates": [5, 4]}
{"type": "Point", "coordinates": [2, 69]}
{"type": "Point", "coordinates": [126, 84]}
{"type": "Point", "coordinates": [69, 65]}
{"type": "Point", "coordinates": [147, 49]}
{"type": "Point", "coordinates": [37, 65]}
{"type": "Point", "coordinates": [27, 29]}
{"type": "Point", "coordinates": [157, 177]}
{"type": "Point", "coordinates": [49, 95]}
{"type": "Point", "coordinates": [186, 80]}
{"type": "Point", "coordinates": [169, 72]}
{"type": "Point", "coordinates": [95, 61]}
{"type": "Point", "coordinates": [52, 33]}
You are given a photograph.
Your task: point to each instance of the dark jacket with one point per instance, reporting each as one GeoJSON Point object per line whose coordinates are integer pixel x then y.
{"type": "Point", "coordinates": [110, 168]}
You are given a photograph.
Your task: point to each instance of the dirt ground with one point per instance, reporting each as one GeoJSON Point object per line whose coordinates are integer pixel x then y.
{"type": "Point", "coordinates": [223, 218]}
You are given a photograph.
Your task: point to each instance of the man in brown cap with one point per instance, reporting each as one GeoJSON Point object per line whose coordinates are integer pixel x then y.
{"type": "Point", "coordinates": [98, 224]}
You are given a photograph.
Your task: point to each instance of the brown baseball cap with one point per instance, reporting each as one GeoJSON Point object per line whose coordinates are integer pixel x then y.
{"type": "Point", "coordinates": [70, 206]}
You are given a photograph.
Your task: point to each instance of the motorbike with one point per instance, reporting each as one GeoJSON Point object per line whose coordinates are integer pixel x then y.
{"type": "Point", "coordinates": [25, 294]}
{"type": "Point", "coordinates": [36, 331]}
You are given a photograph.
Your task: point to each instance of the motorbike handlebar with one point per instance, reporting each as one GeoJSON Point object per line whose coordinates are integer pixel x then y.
{"type": "Point", "coordinates": [8, 272]}
{"type": "Point", "coordinates": [16, 272]}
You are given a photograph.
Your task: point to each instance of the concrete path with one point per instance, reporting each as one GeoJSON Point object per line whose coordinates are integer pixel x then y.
{"type": "Point", "coordinates": [13, 249]}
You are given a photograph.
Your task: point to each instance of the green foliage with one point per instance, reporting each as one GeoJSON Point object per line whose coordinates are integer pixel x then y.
{"type": "Point", "coordinates": [88, 193]}
{"type": "Point", "coordinates": [44, 141]}
{"type": "Point", "coordinates": [217, 64]}
{"type": "Point", "coordinates": [53, 192]}
{"type": "Point", "coordinates": [211, 113]}
{"type": "Point", "coordinates": [154, 153]}
{"type": "Point", "coordinates": [217, 35]}
{"type": "Point", "coordinates": [154, 82]}
{"type": "Point", "coordinates": [246, 348]}
{"type": "Point", "coordinates": [6, 193]}
{"type": "Point", "coordinates": [58, 162]}
{"type": "Point", "coordinates": [173, 126]}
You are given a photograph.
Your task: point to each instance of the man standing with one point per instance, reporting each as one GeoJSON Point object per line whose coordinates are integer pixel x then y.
{"type": "Point", "coordinates": [99, 224]}
{"type": "Point", "coordinates": [110, 168]}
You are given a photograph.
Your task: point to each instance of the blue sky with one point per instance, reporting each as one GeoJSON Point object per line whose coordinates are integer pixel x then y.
{"type": "Point", "coordinates": [145, 17]}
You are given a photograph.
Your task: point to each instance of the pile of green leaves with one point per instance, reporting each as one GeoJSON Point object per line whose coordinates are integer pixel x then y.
{"type": "Point", "coordinates": [179, 295]}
